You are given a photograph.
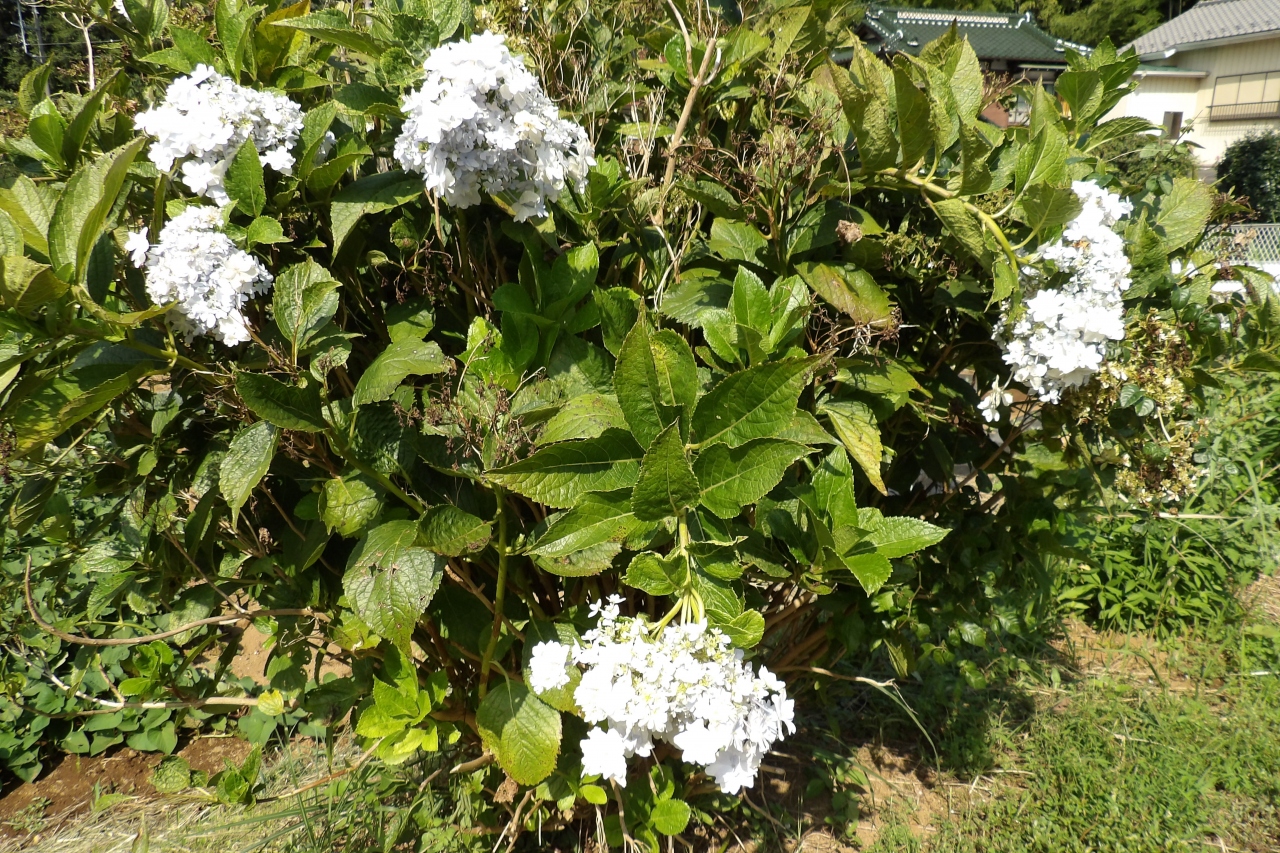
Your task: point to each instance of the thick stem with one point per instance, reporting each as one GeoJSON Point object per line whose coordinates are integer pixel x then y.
{"type": "Point", "coordinates": [500, 594]}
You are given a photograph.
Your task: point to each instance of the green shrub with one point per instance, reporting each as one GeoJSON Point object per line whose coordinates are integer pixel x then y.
{"type": "Point", "coordinates": [738, 375]}
{"type": "Point", "coordinates": [1251, 167]}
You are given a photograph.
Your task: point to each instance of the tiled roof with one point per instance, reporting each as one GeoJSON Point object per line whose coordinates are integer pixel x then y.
{"type": "Point", "coordinates": [1211, 20]}
{"type": "Point", "coordinates": [994, 35]}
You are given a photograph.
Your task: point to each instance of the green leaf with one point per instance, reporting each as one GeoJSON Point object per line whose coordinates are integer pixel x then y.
{"type": "Point", "coordinates": [656, 575]}
{"type": "Point", "coordinates": [331, 25]}
{"type": "Point", "coordinates": [598, 517]}
{"type": "Point", "coordinates": [265, 230]}
{"type": "Point", "coordinates": [560, 475]}
{"type": "Point", "coordinates": [853, 292]}
{"type": "Point", "coordinates": [398, 361]}
{"type": "Point", "coordinates": [858, 430]}
{"type": "Point", "coordinates": [194, 48]}
{"type": "Point", "coordinates": [521, 730]}
{"type": "Point", "coordinates": [248, 458]}
{"type": "Point", "coordinates": [31, 90]}
{"type": "Point", "coordinates": [73, 141]}
{"type": "Point", "coordinates": [348, 504]}
{"type": "Point", "coordinates": [754, 403]}
{"type": "Point", "coordinates": [583, 416]}
{"type": "Point", "coordinates": [370, 194]}
{"type": "Point", "coordinates": [871, 568]}
{"type": "Point", "coordinates": [1043, 160]}
{"type": "Point", "coordinates": [963, 224]}
{"type": "Point", "coordinates": [448, 530]}
{"type": "Point", "coordinates": [670, 817]}
{"type": "Point", "coordinates": [1184, 212]}
{"type": "Point", "coordinates": [618, 309]}
{"type": "Point", "coordinates": [390, 581]}
{"type": "Point", "coordinates": [635, 381]}
{"type": "Point", "coordinates": [303, 300]}
{"type": "Point", "coordinates": [81, 213]}
{"type": "Point", "coordinates": [732, 478]}
{"type": "Point", "coordinates": [26, 286]}
{"type": "Point", "coordinates": [666, 484]}
{"type": "Point", "coordinates": [737, 241]}
{"type": "Point", "coordinates": [244, 180]}
{"type": "Point", "coordinates": [898, 536]}
{"type": "Point", "coordinates": [675, 370]}
{"type": "Point", "coordinates": [11, 242]}
{"type": "Point", "coordinates": [286, 406]}
{"type": "Point", "coordinates": [410, 320]}
{"type": "Point", "coordinates": [914, 132]}
{"type": "Point", "coordinates": [1043, 206]}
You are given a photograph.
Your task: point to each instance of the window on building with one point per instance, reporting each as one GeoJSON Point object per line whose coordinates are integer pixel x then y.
{"type": "Point", "coordinates": [1172, 125]}
{"type": "Point", "coordinates": [1245, 96]}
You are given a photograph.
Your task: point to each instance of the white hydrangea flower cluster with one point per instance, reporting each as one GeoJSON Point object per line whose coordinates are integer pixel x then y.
{"type": "Point", "coordinates": [1061, 337]}
{"type": "Point", "coordinates": [197, 267]}
{"type": "Point", "coordinates": [686, 686]}
{"type": "Point", "coordinates": [207, 117]}
{"type": "Point", "coordinates": [481, 123]}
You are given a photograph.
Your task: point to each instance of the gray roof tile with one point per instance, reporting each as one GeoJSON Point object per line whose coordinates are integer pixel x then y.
{"type": "Point", "coordinates": [993, 35]}
{"type": "Point", "coordinates": [1210, 20]}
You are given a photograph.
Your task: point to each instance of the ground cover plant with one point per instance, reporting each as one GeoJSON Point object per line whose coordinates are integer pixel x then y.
{"type": "Point", "coordinates": [586, 380]}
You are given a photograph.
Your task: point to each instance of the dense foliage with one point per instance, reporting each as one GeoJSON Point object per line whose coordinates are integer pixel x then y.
{"type": "Point", "coordinates": [739, 381]}
{"type": "Point", "coordinates": [1251, 167]}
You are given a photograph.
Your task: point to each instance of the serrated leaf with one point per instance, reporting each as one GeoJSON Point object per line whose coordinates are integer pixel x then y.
{"type": "Point", "coordinates": [244, 180]}
{"type": "Point", "coordinates": [521, 730]}
{"type": "Point", "coordinates": [304, 298]}
{"type": "Point", "coordinates": [732, 478]}
{"type": "Point", "coordinates": [670, 817]}
{"type": "Point", "coordinates": [853, 292]}
{"type": "Point", "coordinates": [245, 464]}
{"type": "Point", "coordinates": [898, 536]}
{"type": "Point", "coordinates": [398, 361]}
{"type": "Point", "coordinates": [737, 241]}
{"type": "Point", "coordinates": [1184, 212]}
{"type": "Point", "coordinates": [583, 416]}
{"type": "Point", "coordinates": [26, 285]}
{"type": "Point", "coordinates": [448, 530]}
{"type": "Point", "coordinates": [348, 504]}
{"type": "Point", "coordinates": [265, 230]}
{"type": "Point", "coordinates": [1044, 206]}
{"type": "Point", "coordinates": [666, 483]}
{"type": "Point", "coordinates": [635, 382]}
{"type": "Point", "coordinates": [871, 568]}
{"type": "Point", "coordinates": [598, 517]}
{"type": "Point", "coordinates": [655, 574]}
{"type": "Point", "coordinates": [753, 403]}
{"type": "Point", "coordinates": [331, 25]}
{"type": "Point", "coordinates": [81, 212]}
{"type": "Point", "coordinates": [561, 474]}
{"type": "Point", "coordinates": [286, 406]}
{"type": "Point", "coordinates": [370, 194]}
{"type": "Point", "coordinates": [390, 581]}
{"type": "Point", "coordinates": [858, 430]}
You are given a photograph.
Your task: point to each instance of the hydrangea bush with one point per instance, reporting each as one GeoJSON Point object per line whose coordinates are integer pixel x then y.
{"type": "Point", "coordinates": [588, 381]}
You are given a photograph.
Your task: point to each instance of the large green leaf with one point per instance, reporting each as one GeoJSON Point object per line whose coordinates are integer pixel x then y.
{"type": "Point", "coordinates": [666, 484]}
{"type": "Point", "coordinates": [733, 477]}
{"type": "Point", "coordinates": [398, 361]}
{"type": "Point", "coordinates": [898, 536]}
{"type": "Point", "coordinates": [737, 241]}
{"type": "Point", "coordinates": [853, 291]}
{"type": "Point", "coordinates": [521, 731]}
{"type": "Point", "coordinates": [244, 180]}
{"type": "Point", "coordinates": [448, 530]}
{"type": "Point", "coordinates": [598, 517]}
{"type": "Point", "coordinates": [246, 463]}
{"type": "Point", "coordinates": [561, 474]}
{"type": "Point", "coordinates": [370, 194]}
{"type": "Point", "coordinates": [303, 300]}
{"type": "Point", "coordinates": [332, 26]}
{"type": "Point", "coordinates": [1184, 212]}
{"type": "Point", "coordinates": [81, 213]}
{"type": "Point", "coordinates": [583, 416]}
{"type": "Point", "coordinates": [286, 406]}
{"type": "Point", "coordinates": [753, 403]}
{"type": "Point", "coordinates": [348, 504]}
{"type": "Point", "coordinates": [390, 580]}
{"type": "Point", "coordinates": [857, 427]}
{"type": "Point", "coordinates": [78, 128]}
{"type": "Point", "coordinates": [26, 285]}
{"type": "Point", "coordinates": [641, 390]}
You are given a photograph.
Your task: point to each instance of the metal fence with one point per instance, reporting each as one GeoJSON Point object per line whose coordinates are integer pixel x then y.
{"type": "Point", "coordinates": [1255, 243]}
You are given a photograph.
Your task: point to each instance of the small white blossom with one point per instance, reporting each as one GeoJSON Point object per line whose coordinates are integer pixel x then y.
{"type": "Point", "coordinates": [548, 666]}
{"type": "Point", "coordinates": [481, 123]}
{"type": "Point", "coordinates": [1060, 338]}
{"type": "Point", "coordinates": [686, 686]}
{"type": "Point", "coordinates": [198, 268]}
{"type": "Point", "coordinates": [207, 117]}
{"type": "Point", "coordinates": [995, 399]}
{"type": "Point", "coordinates": [137, 245]}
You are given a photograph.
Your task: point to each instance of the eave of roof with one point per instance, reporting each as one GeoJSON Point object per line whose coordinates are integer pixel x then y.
{"type": "Point", "coordinates": [1145, 70]}
{"type": "Point", "coordinates": [1211, 23]}
{"type": "Point", "coordinates": [993, 35]}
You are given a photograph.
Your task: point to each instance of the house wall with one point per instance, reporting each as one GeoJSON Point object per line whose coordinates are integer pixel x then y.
{"type": "Point", "coordinates": [1192, 97]}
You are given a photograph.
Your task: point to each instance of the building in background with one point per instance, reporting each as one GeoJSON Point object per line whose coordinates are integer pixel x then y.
{"type": "Point", "coordinates": [1006, 43]}
{"type": "Point", "coordinates": [1214, 72]}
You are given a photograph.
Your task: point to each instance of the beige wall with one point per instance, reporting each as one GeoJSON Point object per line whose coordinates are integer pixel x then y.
{"type": "Point", "coordinates": [1192, 97]}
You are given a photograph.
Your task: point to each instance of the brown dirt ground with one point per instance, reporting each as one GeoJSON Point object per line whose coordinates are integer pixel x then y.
{"type": "Point", "coordinates": [67, 791]}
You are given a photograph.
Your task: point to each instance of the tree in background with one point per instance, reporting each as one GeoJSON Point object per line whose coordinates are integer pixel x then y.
{"type": "Point", "coordinates": [1252, 167]}
{"type": "Point", "coordinates": [1081, 21]}
{"type": "Point", "coordinates": [34, 33]}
